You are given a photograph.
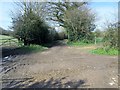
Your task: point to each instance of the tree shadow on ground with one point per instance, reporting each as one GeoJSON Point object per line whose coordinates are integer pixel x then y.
{"type": "Point", "coordinates": [18, 51]}
{"type": "Point", "coordinates": [27, 50]}
{"type": "Point", "coordinates": [55, 43]}
{"type": "Point", "coordinates": [15, 83]}
{"type": "Point", "coordinates": [51, 83]}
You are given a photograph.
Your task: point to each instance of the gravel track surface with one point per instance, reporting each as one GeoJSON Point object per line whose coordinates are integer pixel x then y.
{"type": "Point", "coordinates": [61, 67]}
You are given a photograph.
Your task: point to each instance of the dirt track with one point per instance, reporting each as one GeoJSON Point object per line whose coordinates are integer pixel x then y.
{"type": "Point", "coordinates": [61, 66]}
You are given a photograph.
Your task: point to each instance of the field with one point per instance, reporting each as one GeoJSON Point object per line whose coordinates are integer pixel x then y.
{"type": "Point", "coordinates": [8, 41]}
{"type": "Point", "coordinates": [5, 37]}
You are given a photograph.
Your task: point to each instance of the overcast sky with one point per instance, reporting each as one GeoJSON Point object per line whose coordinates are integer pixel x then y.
{"type": "Point", "coordinates": [104, 10]}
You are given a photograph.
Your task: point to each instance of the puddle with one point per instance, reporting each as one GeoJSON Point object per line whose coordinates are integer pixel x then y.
{"type": "Point", "coordinates": [8, 58]}
{"type": "Point", "coordinates": [113, 81]}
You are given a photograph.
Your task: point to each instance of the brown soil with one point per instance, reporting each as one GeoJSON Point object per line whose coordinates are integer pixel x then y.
{"type": "Point", "coordinates": [61, 66]}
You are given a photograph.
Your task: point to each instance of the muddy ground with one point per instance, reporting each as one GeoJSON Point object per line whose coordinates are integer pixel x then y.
{"type": "Point", "coordinates": [58, 67]}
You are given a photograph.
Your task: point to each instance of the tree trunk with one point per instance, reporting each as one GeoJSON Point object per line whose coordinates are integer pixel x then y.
{"type": "Point", "coordinates": [26, 43]}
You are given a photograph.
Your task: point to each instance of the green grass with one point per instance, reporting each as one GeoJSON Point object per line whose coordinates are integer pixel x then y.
{"type": "Point", "coordinates": [32, 48]}
{"type": "Point", "coordinates": [99, 39]}
{"type": "Point", "coordinates": [80, 43]}
{"type": "Point", "coordinates": [101, 51]}
{"type": "Point", "coordinates": [8, 41]}
{"type": "Point", "coordinates": [5, 37]}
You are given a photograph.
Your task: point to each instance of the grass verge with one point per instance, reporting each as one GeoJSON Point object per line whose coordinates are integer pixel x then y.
{"type": "Point", "coordinates": [5, 37]}
{"type": "Point", "coordinates": [32, 48]}
{"type": "Point", "coordinates": [8, 41]}
{"type": "Point", "coordinates": [78, 43]}
{"type": "Point", "coordinates": [101, 51]}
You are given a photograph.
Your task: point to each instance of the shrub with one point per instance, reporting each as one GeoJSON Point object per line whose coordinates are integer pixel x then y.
{"type": "Point", "coordinates": [111, 37]}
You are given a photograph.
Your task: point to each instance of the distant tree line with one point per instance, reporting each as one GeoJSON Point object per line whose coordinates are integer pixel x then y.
{"type": "Point", "coordinates": [5, 32]}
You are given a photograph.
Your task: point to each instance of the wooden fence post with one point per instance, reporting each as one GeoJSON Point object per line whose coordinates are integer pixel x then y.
{"type": "Point", "coordinates": [95, 39]}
